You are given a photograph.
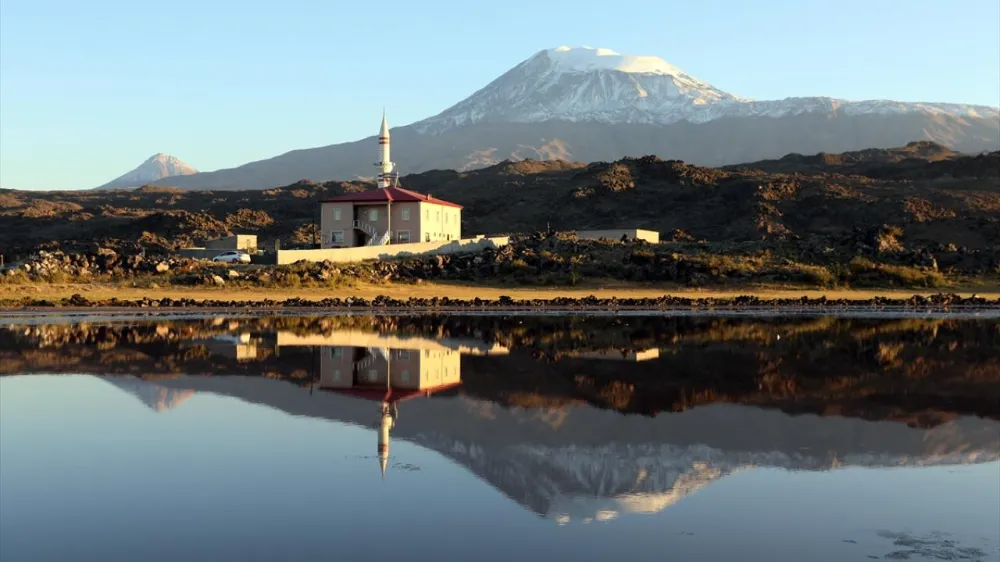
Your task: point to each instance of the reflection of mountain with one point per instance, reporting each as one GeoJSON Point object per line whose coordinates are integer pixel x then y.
{"type": "Point", "coordinates": [158, 398]}
{"type": "Point", "coordinates": [584, 463]}
{"type": "Point", "coordinates": [586, 483]}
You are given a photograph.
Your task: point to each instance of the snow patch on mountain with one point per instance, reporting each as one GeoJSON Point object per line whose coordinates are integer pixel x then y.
{"type": "Point", "coordinates": [588, 59]}
{"type": "Point", "coordinates": [601, 85]}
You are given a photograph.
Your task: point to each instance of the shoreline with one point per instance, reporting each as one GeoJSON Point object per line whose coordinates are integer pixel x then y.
{"type": "Point", "coordinates": [939, 305]}
{"type": "Point", "coordinates": [453, 299]}
{"type": "Point", "coordinates": [33, 317]}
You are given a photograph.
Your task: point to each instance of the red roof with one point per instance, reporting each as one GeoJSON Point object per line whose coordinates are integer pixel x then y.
{"type": "Point", "coordinates": [390, 194]}
{"type": "Point", "coordinates": [381, 394]}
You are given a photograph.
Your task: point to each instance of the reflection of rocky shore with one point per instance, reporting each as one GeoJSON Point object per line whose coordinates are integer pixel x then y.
{"type": "Point", "coordinates": [582, 463]}
{"type": "Point", "coordinates": [921, 371]}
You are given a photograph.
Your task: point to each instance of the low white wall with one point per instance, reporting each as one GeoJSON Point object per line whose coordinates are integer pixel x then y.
{"type": "Point", "coordinates": [345, 255]}
{"type": "Point", "coordinates": [650, 236]}
{"type": "Point", "coordinates": [199, 253]}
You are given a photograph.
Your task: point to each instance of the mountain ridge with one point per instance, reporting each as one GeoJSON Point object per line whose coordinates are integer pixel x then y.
{"type": "Point", "coordinates": [602, 85]}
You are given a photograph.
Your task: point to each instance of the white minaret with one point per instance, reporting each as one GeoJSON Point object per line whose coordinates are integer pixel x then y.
{"type": "Point", "coordinates": [386, 168]}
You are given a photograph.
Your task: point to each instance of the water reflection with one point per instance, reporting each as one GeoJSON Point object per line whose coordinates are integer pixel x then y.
{"type": "Point", "coordinates": [576, 423]}
{"type": "Point", "coordinates": [586, 464]}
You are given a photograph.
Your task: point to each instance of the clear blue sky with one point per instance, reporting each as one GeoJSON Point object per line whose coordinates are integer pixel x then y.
{"type": "Point", "coordinates": [88, 90]}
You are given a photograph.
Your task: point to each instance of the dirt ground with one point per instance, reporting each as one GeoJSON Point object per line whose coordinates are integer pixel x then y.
{"type": "Point", "coordinates": [428, 290]}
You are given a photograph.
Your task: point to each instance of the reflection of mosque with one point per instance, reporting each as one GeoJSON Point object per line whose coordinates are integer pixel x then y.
{"type": "Point", "coordinates": [386, 369]}
{"type": "Point", "coordinates": [388, 376]}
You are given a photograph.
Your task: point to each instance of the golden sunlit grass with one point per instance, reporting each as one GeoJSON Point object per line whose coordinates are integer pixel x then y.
{"type": "Point", "coordinates": [93, 291]}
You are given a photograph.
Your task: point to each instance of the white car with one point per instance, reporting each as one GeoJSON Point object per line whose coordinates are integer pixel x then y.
{"type": "Point", "coordinates": [233, 257]}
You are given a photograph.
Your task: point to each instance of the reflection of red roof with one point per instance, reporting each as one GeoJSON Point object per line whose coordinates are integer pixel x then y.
{"type": "Point", "coordinates": [389, 194]}
{"type": "Point", "coordinates": [381, 394]}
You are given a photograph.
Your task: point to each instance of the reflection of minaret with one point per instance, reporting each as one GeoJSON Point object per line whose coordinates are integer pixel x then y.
{"type": "Point", "coordinates": [388, 376]}
{"type": "Point", "coordinates": [389, 412]}
{"type": "Point", "coordinates": [386, 168]}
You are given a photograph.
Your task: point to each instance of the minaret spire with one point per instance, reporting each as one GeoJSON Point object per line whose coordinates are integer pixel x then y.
{"type": "Point", "coordinates": [386, 167]}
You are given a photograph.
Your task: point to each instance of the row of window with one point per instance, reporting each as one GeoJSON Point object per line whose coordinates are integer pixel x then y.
{"type": "Point", "coordinates": [337, 352]}
{"type": "Point", "coordinates": [373, 375]}
{"type": "Point", "coordinates": [373, 215]}
{"type": "Point", "coordinates": [337, 236]}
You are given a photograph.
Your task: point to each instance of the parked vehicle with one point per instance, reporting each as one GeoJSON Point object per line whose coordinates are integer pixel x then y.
{"type": "Point", "coordinates": [233, 257]}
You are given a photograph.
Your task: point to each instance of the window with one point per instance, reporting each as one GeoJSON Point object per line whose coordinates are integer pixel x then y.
{"type": "Point", "coordinates": [405, 375]}
{"type": "Point", "coordinates": [336, 213]}
{"type": "Point", "coordinates": [427, 237]}
{"type": "Point", "coordinates": [373, 215]}
{"type": "Point", "coordinates": [428, 214]}
{"type": "Point", "coordinates": [337, 237]}
{"type": "Point", "coordinates": [406, 214]}
{"type": "Point", "coordinates": [403, 354]}
{"type": "Point", "coordinates": [372, 375]}
{"type": "Point", "coordinates": [437, 215]}
{"type": "Point", "coordinates": [336, 375]}
{"type": "Point", "coordinates": [403, 235]}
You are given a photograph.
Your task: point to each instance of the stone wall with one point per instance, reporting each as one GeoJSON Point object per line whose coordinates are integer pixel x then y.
{"type": "Point", "coordinates": [347, 255]}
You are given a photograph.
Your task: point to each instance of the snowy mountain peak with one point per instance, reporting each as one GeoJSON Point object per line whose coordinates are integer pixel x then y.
{"type": "Point", "coordinates": [583, 84]}
{"type": "Point", "coordinates": [589, 59]}
{"type": "Point", "coordinates": [156, 167]}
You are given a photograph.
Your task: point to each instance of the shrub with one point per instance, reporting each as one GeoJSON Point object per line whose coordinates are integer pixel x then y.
{"type": "Point", "coordinates": [866, 272]}
{"type": "Point", "coordinates": [56, 276]}
{"type": "Point", "coordinates": [642, 256]}
{"type": "Point", "coordinates": [19, 277]}
{"type": "Point", "coordinates": [811, 274]}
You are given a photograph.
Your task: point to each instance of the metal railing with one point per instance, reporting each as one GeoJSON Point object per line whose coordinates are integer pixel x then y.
{"type": "Point", "coordinates": [374, 239]}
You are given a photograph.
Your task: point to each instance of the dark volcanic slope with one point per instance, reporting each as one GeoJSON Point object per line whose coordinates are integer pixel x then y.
{"type": "Point", "coordinates": [934, 196]}
{"type": "Point", "coordinates": [724, 141]}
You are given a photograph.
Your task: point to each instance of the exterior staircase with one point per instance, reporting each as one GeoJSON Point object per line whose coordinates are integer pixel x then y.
{"type": "Point", "coordinates": [374, 354]}
{"type": "Point", "coordinates": [374, 239]}
{"type": "Point", "coordinates": [367, 361]}
{"type": "Point", "coordinates": [381, 351]}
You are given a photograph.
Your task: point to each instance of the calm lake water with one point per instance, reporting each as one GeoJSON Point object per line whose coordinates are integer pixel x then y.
{"type": "Point", "coordinates": [501, 438]}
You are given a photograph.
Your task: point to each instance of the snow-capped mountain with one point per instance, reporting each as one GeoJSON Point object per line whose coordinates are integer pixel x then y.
{"type": "Point", "coordinates": [585, 105]}
{"type": "Point", "coordinates": [156, 167]}
{"type": "Point", "coordinates": [600, 85]}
